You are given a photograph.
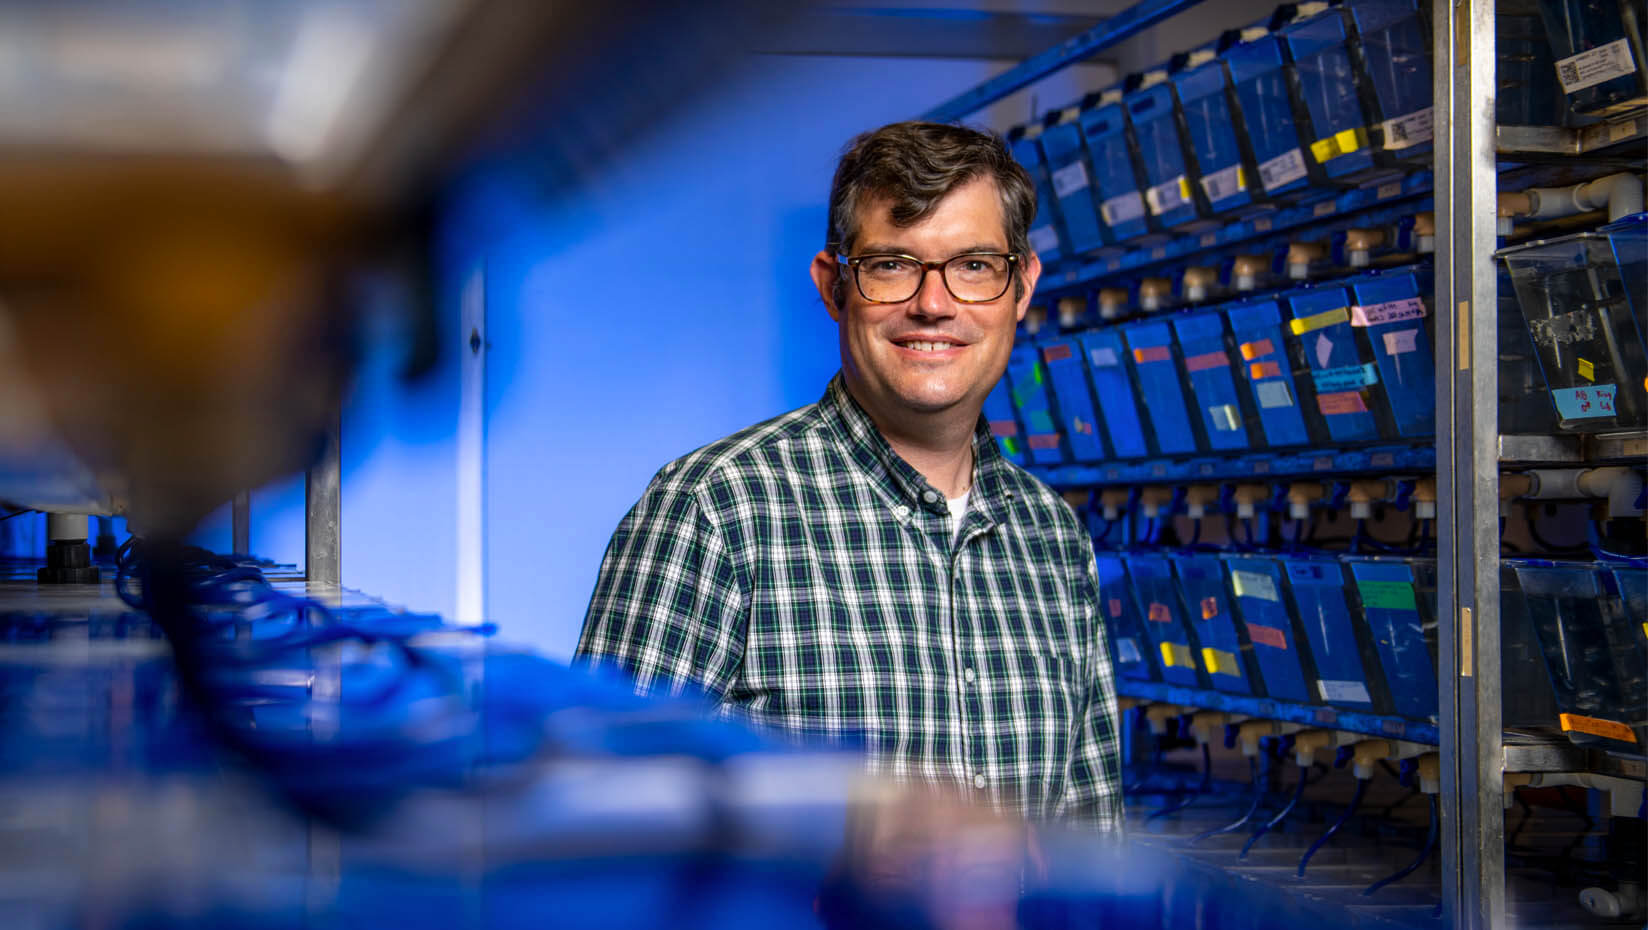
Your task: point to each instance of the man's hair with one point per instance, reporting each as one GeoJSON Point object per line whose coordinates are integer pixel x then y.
{"type": "Point", "coordinates": [915, 165]}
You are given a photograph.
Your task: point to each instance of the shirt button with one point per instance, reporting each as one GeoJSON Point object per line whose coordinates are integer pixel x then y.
{"type": "Point", "coordinates": [902, 511]}
{"type": "Point", "coordinates": [969, 674]}
{"type": "Point", "coordinates": [978, 780]}
{"type": "Point", "coordinates": [929, 496]}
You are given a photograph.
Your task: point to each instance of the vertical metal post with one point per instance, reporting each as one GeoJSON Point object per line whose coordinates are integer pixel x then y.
{"type": "Point", "coordinates": [471, 470]}
{"type": "Point", "coordinates": [240, 524]}
{"type": "Point", "coordinates": [323, 513]}
{"type": "Point", "coordinates": [1467, 453]}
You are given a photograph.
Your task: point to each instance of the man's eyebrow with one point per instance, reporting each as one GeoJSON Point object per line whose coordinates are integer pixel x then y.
{"type": "Point", "coordinates": [883, 248]}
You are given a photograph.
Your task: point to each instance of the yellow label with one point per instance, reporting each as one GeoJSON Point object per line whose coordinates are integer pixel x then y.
{"type": "Point", "coordinates": [1340, 143]}
{"type": "Point", "coordinates": [1591, 725]}
{"type": "Point", "coordinates": [1587, 370]}
{"type": "Point", "coordinates": [1177, 655]}
{"type": "Point", "coordinates": [1184, 188]}
{"type": "Point", "coordinates": [1220, 662]}
{"type": "Point", "coordinates": [1319, 320]}
{"type": "Point", "coordinates": [1241, 178]}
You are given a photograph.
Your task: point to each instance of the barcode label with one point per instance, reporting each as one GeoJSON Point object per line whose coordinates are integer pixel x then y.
{"type": "Point", "coordinates": [1069, 179]}
{"type": "Point", "coordinates": [1224, 183]}
{"type": "Point", "coordinates": [1594, 66]}
{"type": "Point", "coordinates": [1408, 131]}
{"type": "Point", "coordinates": [1283, 169]}
{"type": "Point", "coordinates": [1044, 239]}
{"type": "Point", "coordinates": [1344, 692]}
{"type": "Point", "coordinates": [1168, 196]}
{"type": "Point", "coordinates": [1122, 207]}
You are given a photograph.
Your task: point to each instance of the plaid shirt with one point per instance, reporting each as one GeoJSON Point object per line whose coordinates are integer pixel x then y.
{"type": "Point", "coordinates": [807, 577]}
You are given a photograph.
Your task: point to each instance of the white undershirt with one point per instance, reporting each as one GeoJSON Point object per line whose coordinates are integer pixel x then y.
{"type": "Point", "coordinates": [958, 509]}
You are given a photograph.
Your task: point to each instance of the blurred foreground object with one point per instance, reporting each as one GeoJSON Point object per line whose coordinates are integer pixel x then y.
{"type": "Point", "coordinates": [190, 189]}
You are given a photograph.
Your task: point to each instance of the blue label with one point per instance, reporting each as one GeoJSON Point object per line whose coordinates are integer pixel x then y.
{"type": "Point", "coordinates": [1345, 378]}
{"type": "Point", "coordinates": [1583, 403]}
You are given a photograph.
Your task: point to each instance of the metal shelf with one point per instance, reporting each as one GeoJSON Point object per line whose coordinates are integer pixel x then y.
{"type": "Point", "coordinates": [1267, 709]}
{"type": "Point", "coordinates": [1591, 140]}
{"type": "Point", "coordinates": [1573, 449]}
{"type": "Point", "coordinates": [1256, 467]}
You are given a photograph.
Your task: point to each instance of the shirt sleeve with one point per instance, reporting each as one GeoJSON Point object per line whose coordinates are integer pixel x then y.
{"type": "Point", "coordinates": [1093, 791]}
{"type": "Point", "coordinates": [667, 607]}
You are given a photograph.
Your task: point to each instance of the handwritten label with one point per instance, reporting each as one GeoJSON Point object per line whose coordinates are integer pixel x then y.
{"type": "Point", "coordinates": [1394, 311]}
{"type": "Point", "coordinates": [1344, 692]}
{"type": "Point", "coordinates": [1256, 585]}
{"type": "Point", "coordinates": [1593, 726]}
{"type": "Point", "coordinates": [1584, 403]}
{"type": "Point", "coordinates": [1266, 636]}
{"type": "Point", "coordinates": [1206, 360]}
{"type": "Point", "coordinates": [1341, 403]}
{"type": "Point", "coordinates": [1252, 350]}
{"type": "Point", "coordinates": [1401, 342]}
{"type": "Point", "coordinates": [1273, 394]}
{"type": "Point", "coordinates": [1145, 354]}
{"type": "Point", "coordinates": [1070, 179]}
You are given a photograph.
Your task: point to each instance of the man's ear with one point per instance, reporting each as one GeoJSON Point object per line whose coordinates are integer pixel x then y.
{"type": "Point", "coordinates": [1029, 274]}
{"type": "Point", "coordinates": [824, 271]}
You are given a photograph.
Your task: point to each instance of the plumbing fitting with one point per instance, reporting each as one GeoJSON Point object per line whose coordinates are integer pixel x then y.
{"type": "Point", "coordinates": [1309, 742]}
{"type": "Point", "coordinates": [1205, 723]}
{"type": "Point", "coordinates": [1247, 496]}
{"type": "Point", "coordinates": [1071, 311]}
{"type": "Point", "coordinates": [1198, 497]}
{"type": "Point", "coordinates": [1368, 753]}
{"type": "Point", "coordinates": [1424, 499]}
{"type": "Point", "coordinates": [1152, 501]}
{"type": "Point", "coordinates": [1361, 495]}
{"type": "Point", "coordinates": [1300, 495]}
{"type": "Point", "coordinates": [1301, 255]}
{"type": "Point", "coordinates": [1620, 485]}
{"type": "Point", "coordinates": [1511, 487]}
{"type": "Point", "coordinates": [1199, 283]}
{"type": "Point", "coordinates": [1430, 773]}
{"type": "Point", "coordinates": [1247, 271]}
{"type": "Point", "coordinates": [1251, 732]}
{"type": "Point", "coordinates": [1112, 501]}
{"type": "Point", "coordinates": [1359, 245]}
{"type": "Point", "coordinates": [1620, 194]}
{"type": "Point", "coordinates": [1424, 232]}
{"type": "Point", "coordinates": [1624, 794]}
{"type": "Point", "coordinates": [1157, 715]}
{"type": "Point", "coordinates": [1154, 294]}
{"type": "Point", "coordinates": [1112, 302]}
{"type": "Point", "coordinates": [68, 553]}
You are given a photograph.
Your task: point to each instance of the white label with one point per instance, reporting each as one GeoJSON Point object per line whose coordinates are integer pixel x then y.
{"type": "Point", "coordinates": [1401, 342]}
{"type": "Point", "coordinates": [1324, 350]}
{"type": "Point", "coordinates": [1407, 131]}
{"type": "Point", "coordinates": [1224, 182]}
{"type": "Point", "coordinates": [1044, 239]}
{"type": "Point", "coordinates": [1324, 208]}
{"type": "Point", "coordinates": [1283, 169]}
{"type": "Point", "coordinates": [1594, 66]}
{"type": "Point", "coordinates": [1349, 691]}
{"type": "Point", "coordinates": [1273, 393]}
{"type": "Point", "coordinates": [1168, 196]}
{"type": "Point", "coordinates": [1225, 418]}
{"type": "Point", "coordinates": [1255, 585]}
{"type": "Point", "coordinates": [1122, 207]}
{"type": "Point", "coordinates": [1392, 311]}
{"type": "Point", "coordinates": [1127, 650]}
{"type": "Point", "coordinates": [1105, 357]}
{"type": "Point", "coordinates": [1069, 179]}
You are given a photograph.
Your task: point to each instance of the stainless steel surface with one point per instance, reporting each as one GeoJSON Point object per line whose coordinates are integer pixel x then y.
{"type": "Point", "coordinates": [1467, 467]}
{"type": "Point", "coordinates": [1618, 446]}
{"type": "Point", "coordinates": [1558, 449]}
{"type": "Point", "coordinates": [1106, 34]}
{"type": "Point", "coordinates": [1556, 140]}
{"type": "Point", "coordinates": [322, 517]}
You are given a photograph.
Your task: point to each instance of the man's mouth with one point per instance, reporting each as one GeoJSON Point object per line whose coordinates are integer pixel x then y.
{"type": "Point", "coordinates": [927, 345]}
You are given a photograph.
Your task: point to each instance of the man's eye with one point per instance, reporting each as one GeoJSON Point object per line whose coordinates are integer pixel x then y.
{"type": "Point", "coordinates": [887, 266]}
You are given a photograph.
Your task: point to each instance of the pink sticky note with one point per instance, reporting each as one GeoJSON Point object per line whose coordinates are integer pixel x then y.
{"type": "Point", "coordinates": [1401, 341]}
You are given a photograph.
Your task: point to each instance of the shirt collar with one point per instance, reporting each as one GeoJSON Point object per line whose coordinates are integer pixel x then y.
{"type": "Point", "coordinates": [867, 447]}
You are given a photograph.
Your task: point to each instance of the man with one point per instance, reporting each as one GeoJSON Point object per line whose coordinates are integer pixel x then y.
{"type": "Point", "coordinates": [871, 568]}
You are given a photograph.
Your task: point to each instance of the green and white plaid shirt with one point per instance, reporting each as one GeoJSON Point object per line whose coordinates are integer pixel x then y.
{"type": "Point", "coordinates": [807, 577]}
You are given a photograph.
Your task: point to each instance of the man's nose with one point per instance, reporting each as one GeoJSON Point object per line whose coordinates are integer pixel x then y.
{"type": "Point", "coordinates": [933, 299]}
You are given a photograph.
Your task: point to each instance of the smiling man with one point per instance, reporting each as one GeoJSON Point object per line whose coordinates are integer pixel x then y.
{"type": "Point", "coordinates": [869, 569]}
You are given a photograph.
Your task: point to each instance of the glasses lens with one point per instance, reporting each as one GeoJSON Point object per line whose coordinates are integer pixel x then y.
{"type": "Point", "coordinates": [888, 278]}
{"type": "Point", "coordinates": [977, 277]}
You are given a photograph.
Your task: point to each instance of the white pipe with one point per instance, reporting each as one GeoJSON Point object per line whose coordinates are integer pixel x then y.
{"type": "Point", "coordinates": [1620, 193]}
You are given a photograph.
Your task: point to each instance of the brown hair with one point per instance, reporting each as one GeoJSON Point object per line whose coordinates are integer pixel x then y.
{"type": "Point", "coordinates": [915, 165]}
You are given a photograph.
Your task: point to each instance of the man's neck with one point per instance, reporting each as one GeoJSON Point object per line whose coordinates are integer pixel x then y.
{"type": "Point", "coordinates": [939, 446]}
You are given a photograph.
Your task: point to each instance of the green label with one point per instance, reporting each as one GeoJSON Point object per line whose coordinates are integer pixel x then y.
{"type": "Point", "coordinates": [1390, 595]}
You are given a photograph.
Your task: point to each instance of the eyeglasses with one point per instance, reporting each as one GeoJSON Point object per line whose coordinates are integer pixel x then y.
{"type": "Point", "coordinates": [972, 278]}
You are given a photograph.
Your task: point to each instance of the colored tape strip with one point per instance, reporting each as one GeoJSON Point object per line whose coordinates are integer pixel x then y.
{"type": "Point", "coordinates": [1317, 321]}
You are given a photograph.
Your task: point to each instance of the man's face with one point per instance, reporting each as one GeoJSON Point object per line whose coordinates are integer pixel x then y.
{"type": "Point", "coordinates": [931, 353]}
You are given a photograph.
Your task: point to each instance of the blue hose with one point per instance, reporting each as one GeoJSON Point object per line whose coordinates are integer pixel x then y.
{"type": "Point", "coordinates": [1424, 853]}
{"type": "Point", "coordinates": [1298, 792]}
{"type": "Point", "coordinates": [1355, 802]}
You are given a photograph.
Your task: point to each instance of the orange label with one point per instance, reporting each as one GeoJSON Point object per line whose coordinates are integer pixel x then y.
{"type": "Point", "coordinates": [1252, 350]}
{"type": "Point", "coordinates": [1594, 727]}
{"type": "Point", "coordinates": [1115, 607]}
{"type": "Point", "coordinates": [1160, 613]}
{"type": "Point", "coordinates": [1057, 352]}
{"type": "Point", "coordinates": [1210, 608]}
{"type": "Point", "coordinates": [1259, 370]}
{"type": "Point", "coordinates": [1152, 354]}
{"type": "Point", "coordinates": [1266, 636]}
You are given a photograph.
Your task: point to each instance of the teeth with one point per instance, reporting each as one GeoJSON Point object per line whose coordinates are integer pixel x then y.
{"type": "Point", "coordinates": [928, 346]}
